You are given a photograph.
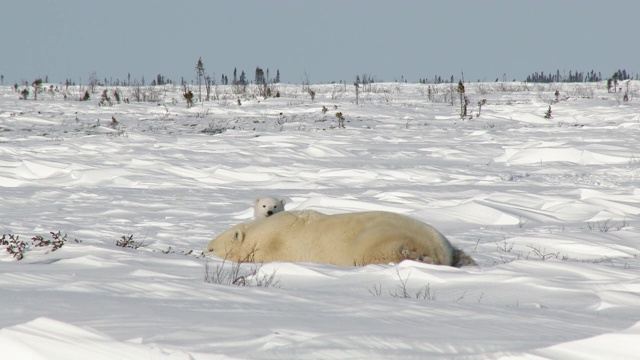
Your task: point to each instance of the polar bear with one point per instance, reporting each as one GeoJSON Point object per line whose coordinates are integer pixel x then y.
{"type": "Point", "coordinates": [361, 238]}
{"type": "Point", "coordinates": [267, 206]}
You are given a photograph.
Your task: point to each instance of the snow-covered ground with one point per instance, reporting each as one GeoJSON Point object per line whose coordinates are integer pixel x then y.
{"type": "Point", "coordinates": [549, 208]}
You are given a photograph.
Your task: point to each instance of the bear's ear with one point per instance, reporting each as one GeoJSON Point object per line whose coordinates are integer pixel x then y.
{"type": "Point", "coordinates": [257, 200]}
{"type": "Point", "coordinates": [282, 201]}
{"type": "Point", "coordinates": [238, 236]}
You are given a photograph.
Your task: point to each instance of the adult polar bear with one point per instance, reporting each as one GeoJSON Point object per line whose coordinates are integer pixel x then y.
{"type": "Point", "coordinates": [361, 238]}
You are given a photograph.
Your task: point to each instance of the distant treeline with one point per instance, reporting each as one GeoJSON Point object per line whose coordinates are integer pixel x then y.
{"type": "Point", "coordinates": [575, 76]}
{"type": "Point", "coordinates": [261, 77]}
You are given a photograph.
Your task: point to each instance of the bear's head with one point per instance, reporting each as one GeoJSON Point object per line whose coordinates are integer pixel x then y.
{"type": "Point", "coordinates": [252, 240]}
{"type": "Point", "coordinates": [267, 206]}
{"type": "Point", "coordinates": [231, 245]}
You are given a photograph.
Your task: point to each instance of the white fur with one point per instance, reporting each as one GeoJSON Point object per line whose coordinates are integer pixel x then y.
{"type": "Point", "coordinates": [374, 237]}
{"type": "Point", "coordinates": [267, 206]}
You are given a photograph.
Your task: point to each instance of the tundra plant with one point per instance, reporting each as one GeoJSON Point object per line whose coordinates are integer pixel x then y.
{"type": "Point", "coordinates": [37, 86]}
{"type": "Point", "coordinates": [340, 120]}
{"type": "Point", "coordinates": [464, 100]}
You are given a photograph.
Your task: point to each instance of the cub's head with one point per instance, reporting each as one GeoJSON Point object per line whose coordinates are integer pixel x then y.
{"type": "Point", "coordinates": [267, 206]}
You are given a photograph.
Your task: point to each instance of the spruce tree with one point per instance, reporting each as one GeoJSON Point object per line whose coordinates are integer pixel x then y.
{"type": "Point", "coordinates": [259, 77]}
{"type": "Point", "coordinates": [200, 72]}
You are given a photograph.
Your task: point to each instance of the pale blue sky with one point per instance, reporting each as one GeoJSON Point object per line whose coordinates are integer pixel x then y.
{"type": "Point", "coordinates": [329, 40]}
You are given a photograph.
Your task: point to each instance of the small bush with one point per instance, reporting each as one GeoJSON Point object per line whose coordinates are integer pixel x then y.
{"type": "Point", "coordinates": [340, 120]}
{"type": "Point", "coordinates": [105, 99]}
{"type": "Point", "coordinates": [114, 123]}
{"type": "Point", "coordinates": [17, 248]}
{"type": "Point", "coordinates": [126, 241]}
{"type": "Point", "coordinates": [37, 87]}
{"type": "Point", "coordinates": [401, 291]}
{"type": "Point", "coordinates": [14, 245]}
{"type": "Point", "coordinates": [188, 96]}
{"type": "Point", "coordinates": [480, 104]}
{"type": "Point", "coordinates": [238, 276]}
{"type": "Point", "coordinates": [464, 100]}
{"type": "Point", "coordinates": [57, 241]}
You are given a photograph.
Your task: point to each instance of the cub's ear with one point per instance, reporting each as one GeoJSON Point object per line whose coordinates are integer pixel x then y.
{"type": "Point", "coordinates": [257, 200]}
{"type": "Point", "coordinates": [283, 201]}
{"type": "Point", "coordinates": [238, 236]}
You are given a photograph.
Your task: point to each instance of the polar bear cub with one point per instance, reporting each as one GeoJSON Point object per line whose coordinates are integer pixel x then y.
{"type": "Point", "coordinates": [267, 206]}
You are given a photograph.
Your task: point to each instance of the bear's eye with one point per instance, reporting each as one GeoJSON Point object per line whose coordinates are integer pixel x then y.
{"type": "Point", "coordinates": [275, 206]}
{"type": "Point", "coordinates": [264, 206]}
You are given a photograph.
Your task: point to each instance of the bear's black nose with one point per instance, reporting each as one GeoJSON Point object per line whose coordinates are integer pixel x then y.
{"type": "Point", "coordinates": [269, 213]}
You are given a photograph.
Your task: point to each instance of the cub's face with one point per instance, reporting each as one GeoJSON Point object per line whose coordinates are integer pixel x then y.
{"type": "Point", "coordinates": [267, 206]}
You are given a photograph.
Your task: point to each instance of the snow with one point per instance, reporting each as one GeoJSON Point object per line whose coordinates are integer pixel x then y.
{"type": "Point", "coordinates": [549, 208]}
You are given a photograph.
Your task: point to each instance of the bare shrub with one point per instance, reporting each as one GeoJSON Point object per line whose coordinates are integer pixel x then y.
{"type": "Point", "coordinates": [376, 290]}
{"type": "Point", "coordinates": [116, 95]}
{"type": "Point", "coordinates": [238, 275]}
{"type": "Point", "coordinates": [214, 129]}
{"type": "Point", "coordinates": [136, 91]}
{"type": "Point", "coordinates": [340, 120]}
{"type": "Point", "coordinates": [337, 92]}
{"type": "Point", "coordinates": [239, 89]}
{"type": "Point", "coordinates": [605, 226]}
{"type": "Point", "coordinates": [127, 241]}
{"type": "Point", "coordinates": [483, 89]}
{"type": "Point", "coordinates": [480, 104]}
{"type": "Point", "coordinates": [583, 92]}
{"type": "Point", "coordinates": [202, 113]}
{"type": "Point", "coordinates": [448, 95]}
{"type": "Point", "coordinates": [543, 254]}
{"type": "Point", "coordinates": [401, 291]}
{"type": "Point", "coordinates": [105, 99]}
{"type": "Point", "coordinates": [522, 222]}
{"type": "Point", "coordinates": [152, 94]}
{"type": "Point", "coordinates": [426, 293]}
{"type": "Point", "coordinates": [505, 251]}
{"type": "Point", "coordinates": [93, 82]}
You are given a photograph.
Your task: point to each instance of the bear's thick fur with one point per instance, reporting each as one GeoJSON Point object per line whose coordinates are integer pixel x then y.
{"type": "Point", "coordinates": [267, 206]}
{"type": "Point", "coordinates": [361, 238]}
